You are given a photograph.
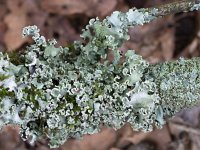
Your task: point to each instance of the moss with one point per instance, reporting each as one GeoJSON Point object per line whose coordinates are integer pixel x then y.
{"type": "Point", "coordinates": [3, 77]}
{"type": "Point", "coordinates": [31, 96]}
{"type": "Point", "coordinates": [4, 92]}
{"type": "Point", "coordinates": [15, 58]}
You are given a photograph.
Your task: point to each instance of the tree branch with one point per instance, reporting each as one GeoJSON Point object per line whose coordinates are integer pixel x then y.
{"type": "Point", "coordinates": [175, 7]}
{"type": "Point", "coordinates": [60, 94]}
{"type": "Point", "coordinates": [178, 84]}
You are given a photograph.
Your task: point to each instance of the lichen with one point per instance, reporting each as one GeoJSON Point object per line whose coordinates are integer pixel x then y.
{"type": "Point", "coordinates": [178, 83]}
{"type": "Point", "coordinates": [67, 92]}
{"type": "Point", "coordinates": [62, 96]}
{"type": "Point", "coordinates": [195, 7]}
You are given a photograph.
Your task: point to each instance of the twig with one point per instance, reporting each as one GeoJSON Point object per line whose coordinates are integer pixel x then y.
{"type": "Point", "coordinates": [174, 7]}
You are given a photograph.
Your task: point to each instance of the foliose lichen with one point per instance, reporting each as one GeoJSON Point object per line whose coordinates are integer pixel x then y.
{"type": "Point", "coordinates": [195, 7]}
{"type": "Point", "coordinates": [67, 92]}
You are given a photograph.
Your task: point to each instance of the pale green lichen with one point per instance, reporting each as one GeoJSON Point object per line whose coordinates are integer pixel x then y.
{"type": "Point", "coordinates": [67, 92]}
{"type": "Point", "coordinates": [195, 7]}
{"type": "Point", "coordinates": [178, 83]}
{"type": "Point", "coordinates": [62, 96]}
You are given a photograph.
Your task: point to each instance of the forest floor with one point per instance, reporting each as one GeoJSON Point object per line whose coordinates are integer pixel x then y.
{"type": "Point", "coordinates": [164, 39]}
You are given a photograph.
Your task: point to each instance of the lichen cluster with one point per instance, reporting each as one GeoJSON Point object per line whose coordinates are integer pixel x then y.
{"type": "Point", "coordinates": [178, 83]}
{"type": "Point", "coordinates": [195, 7]}
{"type": "Point", "coordinates": [61, 92]}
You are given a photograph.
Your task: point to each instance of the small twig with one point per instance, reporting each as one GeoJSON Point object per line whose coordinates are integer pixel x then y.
{"type": "Point", "coordinates": [176, 7]}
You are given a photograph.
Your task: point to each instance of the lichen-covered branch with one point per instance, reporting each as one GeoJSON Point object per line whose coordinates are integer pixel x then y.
{"type": "Point", "coordinates": [178, 83]}
{"type": "Point", "coordinates": [67, 92]}
{"type": "Point", "coordinates": [176, 7]}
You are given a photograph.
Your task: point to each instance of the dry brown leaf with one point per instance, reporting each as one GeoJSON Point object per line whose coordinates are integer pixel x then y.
{"type": "Point", "coordinates": [192, 49]}
{"type": "Point", "coordinates": [3, 9]}
{"type": "Point", "coordinates": [10, 139]}
{"type": "Point", "coordinates": [114, 148]}
{"type": "Point", "coordinates": [103, 7]}
{"type": "Point", "coordinates": [15, 23]}
{"type": "Point", "coordinates": [160, 136]}
{"type": "Point", "coordinates": [137, 137]}
{"type": "Point", "coordinates": [69, 7]}
{"type": "Point", "coordinates": [154, 41]}
{"type": "Point", "coordinates": [101, 141]}
{"type": "Point", "coordinates": [64, 7]}
{"type": "Point", "coordinates": [123, 134]}
{"type": "Point", "coordinates": [63, 32]}
{"type": "Point", "coordinates": [167, 44]}
{"type": "Point", "coordinates": [20, 14]}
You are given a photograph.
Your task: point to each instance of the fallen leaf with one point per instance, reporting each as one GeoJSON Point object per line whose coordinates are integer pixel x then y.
{"type": "Point", "coordinates": [89, 7]}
